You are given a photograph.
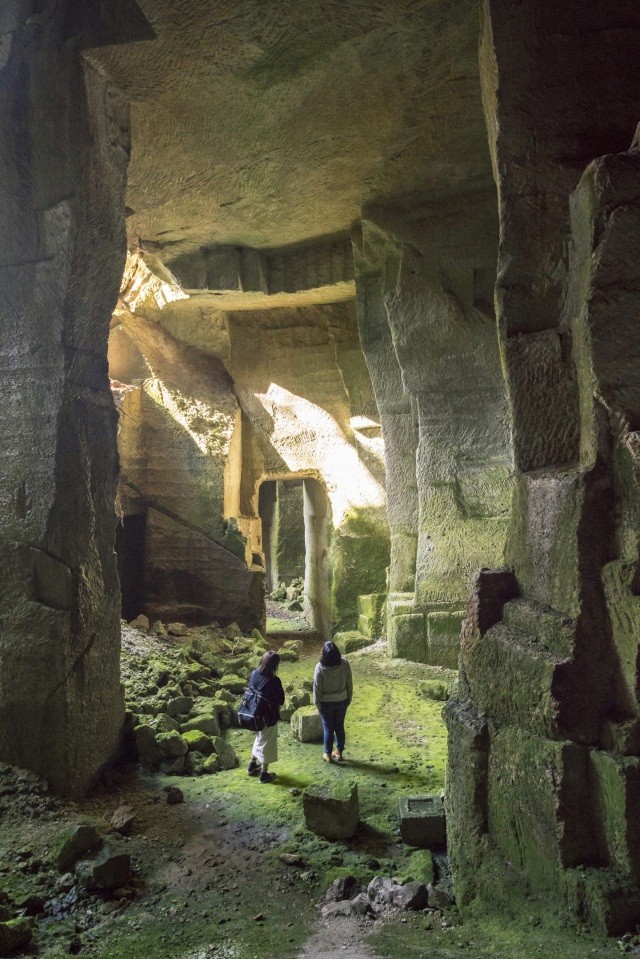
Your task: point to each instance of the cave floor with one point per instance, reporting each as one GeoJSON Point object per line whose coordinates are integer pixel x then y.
{"type": "Point", "coordinates": [210, 884]}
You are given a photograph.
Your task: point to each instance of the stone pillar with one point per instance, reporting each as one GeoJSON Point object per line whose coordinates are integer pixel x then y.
{"type": "Point", "coordinates": [436, 352]}
{"type": "Point", "coordinates": [546, 723]}
{"type": "Point", "coordinates": [64, 151]}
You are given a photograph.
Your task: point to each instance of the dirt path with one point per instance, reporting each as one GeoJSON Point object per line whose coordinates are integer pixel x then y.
{"type": "Point", "coordinates": [337, 939]}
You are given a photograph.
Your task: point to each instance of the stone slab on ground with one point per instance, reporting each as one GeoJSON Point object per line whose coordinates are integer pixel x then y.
{"type": "Point", "coordinates": [332, 810]}
{"type": "Point", "coordinates": [422, 821]}
{"type": "Point", "coordinates": [352, 640]}
{"type": "Point", "coordinates": [306, 725]}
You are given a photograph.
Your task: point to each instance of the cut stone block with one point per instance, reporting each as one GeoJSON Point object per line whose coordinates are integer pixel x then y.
{"type": "Point", "coordinates": [422, 821]}
{"type": "Point", "coordinates": [607, 902]}
{"type": "Point", "coordinates": [617, 793]}
{"type": "Point", "coordinates": [332, 810]}
{"type": "Point", "coordinates": [351, 641]}
{"type": "Point", "coordinates": [443, 637]}
{"type": "Point", "coordinates": [371, 614]}
{"type": "Point", "coordinates": [407, 639]}
{"type": "Point", "coordinates": [306, 725]}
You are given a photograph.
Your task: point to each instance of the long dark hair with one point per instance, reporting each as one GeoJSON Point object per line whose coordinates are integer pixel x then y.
{"type": "Point", "coordinates": [330, 655]}
{"type": "Point", "coordinates": [269, 663]}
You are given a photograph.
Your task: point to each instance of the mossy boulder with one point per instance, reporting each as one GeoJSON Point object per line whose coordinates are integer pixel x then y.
{"type": "Point", "coordinates": [207, 723]}
{"type": "Point", "coordinates": [233, 684]}
{"type": "Point", "coordinates": [172, 745]}
{"type": "Point", "coordinates": [351, 640]}
{"type": "Point", "coordinates": [14, 934]}
{"type": "Point", "coordinates": [225, 752]}
{"type": "Point", "coordinates": [434, 689]}
{"type": "Point", "coordinates": [198, 742]}
{"type": "Point", "coordinates": [149, 753]}
{"type": "Point", "coordinates": [75, 843]}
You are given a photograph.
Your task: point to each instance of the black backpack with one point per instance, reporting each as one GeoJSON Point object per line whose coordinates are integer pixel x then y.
{"type": "Point", "coordinates": [254, 708]}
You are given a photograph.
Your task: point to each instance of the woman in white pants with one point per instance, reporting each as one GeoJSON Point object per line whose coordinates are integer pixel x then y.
{"type": "Point", "coordinates": [265, 747]}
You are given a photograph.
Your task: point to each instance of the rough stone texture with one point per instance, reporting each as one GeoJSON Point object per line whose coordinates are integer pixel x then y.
{"type": "Point", "coordinates": [424, 278]}
{"type": "Point", "coordinates": [332, 809]}
{"type": "Point", "coordinates": [283, 126]}
{"type": "Point", "coordinates": [551, 755]}
{"type": "Point", "coordinates": [306, 725]}
{"type": "Point", "coordinates": [62, 210]}
{"type": "Point", "coordinates": [422, 821]}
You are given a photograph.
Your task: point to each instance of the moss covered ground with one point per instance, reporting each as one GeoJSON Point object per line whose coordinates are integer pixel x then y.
{"type": "Point", "coordinates": [209, 881]}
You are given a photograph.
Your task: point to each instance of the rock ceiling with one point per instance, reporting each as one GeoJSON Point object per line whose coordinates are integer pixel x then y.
{"type": "Point", "coordinates": [266, 123]}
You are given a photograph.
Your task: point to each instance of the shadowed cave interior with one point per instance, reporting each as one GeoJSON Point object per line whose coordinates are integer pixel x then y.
{"type": "Point", "coordinates": [320, 322]}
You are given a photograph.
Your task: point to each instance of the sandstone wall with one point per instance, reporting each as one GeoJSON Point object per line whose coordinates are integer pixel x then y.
{"type": "Point", "coordinates": [425, 276]}
{"type": "Point", "coordinates": [64, 154]}
{"type": "Point", "coordinates": [178, 436]}
{"type": "Point", "coordinates": [543, 737]}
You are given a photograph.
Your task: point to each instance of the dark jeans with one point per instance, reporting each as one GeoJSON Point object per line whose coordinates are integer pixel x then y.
{"type": "Point", "coordinates": [332, 715]}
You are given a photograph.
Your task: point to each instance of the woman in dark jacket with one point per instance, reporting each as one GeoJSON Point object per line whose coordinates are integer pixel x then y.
{"type": "Point", "coordinates": [265, 746]}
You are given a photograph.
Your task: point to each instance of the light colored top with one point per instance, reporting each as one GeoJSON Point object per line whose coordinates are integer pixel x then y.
{"type": "Point", "coordinates": [332, 684]}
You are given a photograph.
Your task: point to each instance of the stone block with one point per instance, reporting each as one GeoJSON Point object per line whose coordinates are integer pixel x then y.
{"type": "Point", "coordinates": [371, 614]}
{"type": "Point", "coordinates": [149, 753]}
{"type": "Point", "coordinates": [422, 821]}
{"type": "Point", "coordinates": [407, 639]}
{"type": "Point", "coordinates": [306, 725]}
{"type": "Point", "coordinates": [443, 637]}
{"type": "Point", "coordinates": [332, 810]}
{"type": "Point", "coordinates": [351, 641]}
{"type": "Point", "coordinates": [513, 678]}
{"type": "Point", "coordinates": [434, 689]}
{"type": "Point", "coordinates": [198, 742]}
{"type": "Point", "coordinates": [616, 782]}
{"type": "Point", "coordinates": [539, 798]}
{"type": "Point", "coordinates": [492, 588]}
{"type": "Point", "coordinates": [171, 745]}
{"type": "Point", "coordinates": [607, 902]}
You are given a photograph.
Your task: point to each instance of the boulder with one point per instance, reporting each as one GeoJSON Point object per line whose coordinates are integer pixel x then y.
{"type": "Point", "coordinates": [434, 689]}
{"type": "Point", "coordinates": [141, 622]}
{"type": "Point", "coordinates": [110, 870]}
{"type": "Point", "coordinates": [163, 723]}
{"type": "Point", "coordinates": [359, 906]}
{"type": "Point", "coordinates": [288, 655]}
{"type": "Point", "coordinates": [174, 796]}
{"type": "Point", "coordinates": [300, 699]}
{"type": "Point", "coordinates": [232, 631]}
{"type": "Point", "coordinates": [421, 866]}
{"type": "Point", "coordinates": [233, 684]}
{"type": "Point", "coordinates": [211, 764]}
{"type": "Point", "coordinates": [346, 887]}
{"type": "Point", "coordinates": [74, 844]}
{"type": "Point", "coordinates": [225, 752]}
{"type": "Point", "coordinates": [332, 810]}
{"type": "Point", "coordinates": [352, 640]}
{"type": "Point", "coordinates": [385, 894]}
{"type": "Point", "coordinates": [149, 753]}
{"type": "Point", "coordinates": [171, 745]}
{"type": "Point", "coordinates": [123, 819]}
{"type": "Point", "coordinates": [180, 706]}
{"type": "Point", "coordinates": [198, 742]}
{"type": "Point", "coordinates": [14, 934]}
{"type": "Point", "coordinates": [306, 725]}
{"type": "Point", "coordinates": [177, 629]}
{"type": "Point", "coordinates": [206, 723]}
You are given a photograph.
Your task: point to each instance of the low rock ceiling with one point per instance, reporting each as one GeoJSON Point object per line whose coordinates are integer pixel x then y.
{"type": "Point", "coordinates": [266, 123]}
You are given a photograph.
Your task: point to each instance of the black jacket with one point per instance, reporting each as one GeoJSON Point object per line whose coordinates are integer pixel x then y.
{"type": "Point", "coordinates": [271, 688]}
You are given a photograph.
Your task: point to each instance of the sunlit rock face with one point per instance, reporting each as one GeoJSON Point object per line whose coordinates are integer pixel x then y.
{"type": "Point", "coordinates": [425, 276]}
{"type": "Point", "coordinates": [63, 252]}
{"type": "Point", "coordinates": [267, 394]}
{"type": "Point", "coordinates": [544, 745]}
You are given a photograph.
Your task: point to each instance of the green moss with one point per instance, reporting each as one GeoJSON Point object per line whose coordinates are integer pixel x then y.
{"type": "Point", "coordinates": [359, 560]}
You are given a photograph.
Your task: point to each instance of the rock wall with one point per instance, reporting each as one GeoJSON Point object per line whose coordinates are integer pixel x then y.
{"type": "Point", "coordinates": [216, 403]}
{"type": "Point", "coordinates": [424, 275]}
{"type": "Point", "coordinates": [544, 741]}
{"type": "Point", "coordinates": [309, 407]}
{"type": "Point", "coordinates": [64, 154]}
{"type": "Point", "coordinates": [179, 449]}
